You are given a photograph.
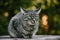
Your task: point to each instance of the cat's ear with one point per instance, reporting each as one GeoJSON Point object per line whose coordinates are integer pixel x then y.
{"type": "Point", "coordinates": [21, 9]}
{"type": "Point", "coordinates": [38, 11]}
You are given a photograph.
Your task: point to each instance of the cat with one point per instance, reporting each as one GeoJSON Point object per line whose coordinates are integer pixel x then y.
{"type": "Point", "coordinates": [24, 24]}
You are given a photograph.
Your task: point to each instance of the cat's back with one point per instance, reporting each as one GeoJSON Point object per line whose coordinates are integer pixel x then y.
{"type": "Point", "coordinates": [14, 19]}
{"type": "Point", "coordinates": [17, 16]}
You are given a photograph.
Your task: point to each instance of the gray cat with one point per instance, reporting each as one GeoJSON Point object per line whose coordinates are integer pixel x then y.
{"type": "Point", "coordinates": [24, 24]}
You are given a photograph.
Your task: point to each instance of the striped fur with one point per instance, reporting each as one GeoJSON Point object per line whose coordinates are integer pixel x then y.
{"type": "Point", "coordinates": [24, 24]}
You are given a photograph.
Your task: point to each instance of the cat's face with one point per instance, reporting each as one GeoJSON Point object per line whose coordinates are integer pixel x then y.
{"type": "Point", "coordinates": [30, 18]}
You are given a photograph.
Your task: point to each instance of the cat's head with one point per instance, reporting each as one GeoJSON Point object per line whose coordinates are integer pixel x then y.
{"type": "Point", "coordinates": [30, 16]}
{"type": "Point", "coordinates": [37, 11]}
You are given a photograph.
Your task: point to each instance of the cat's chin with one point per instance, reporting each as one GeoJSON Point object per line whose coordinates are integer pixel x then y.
{"type": "Point", "coordinates": [28, 29]}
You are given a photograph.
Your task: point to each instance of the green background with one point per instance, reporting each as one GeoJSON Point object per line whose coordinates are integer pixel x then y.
{"type": "Point", "coordinates": [51, 8]}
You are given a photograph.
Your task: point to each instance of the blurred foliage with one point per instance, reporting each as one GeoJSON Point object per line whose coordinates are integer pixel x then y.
{"type": "Point", "coordinates": [51, 8]}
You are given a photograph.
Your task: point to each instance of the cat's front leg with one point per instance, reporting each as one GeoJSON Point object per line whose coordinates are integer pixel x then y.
{"type": "Point", "coordinates": [25, 36]}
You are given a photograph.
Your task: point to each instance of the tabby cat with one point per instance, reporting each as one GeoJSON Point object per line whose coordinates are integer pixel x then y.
{"type": "Point", "coordinates": [24, 24]}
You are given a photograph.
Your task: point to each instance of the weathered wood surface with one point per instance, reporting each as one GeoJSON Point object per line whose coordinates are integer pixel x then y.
{"type": "Point", "coordinates": [37, 37]}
